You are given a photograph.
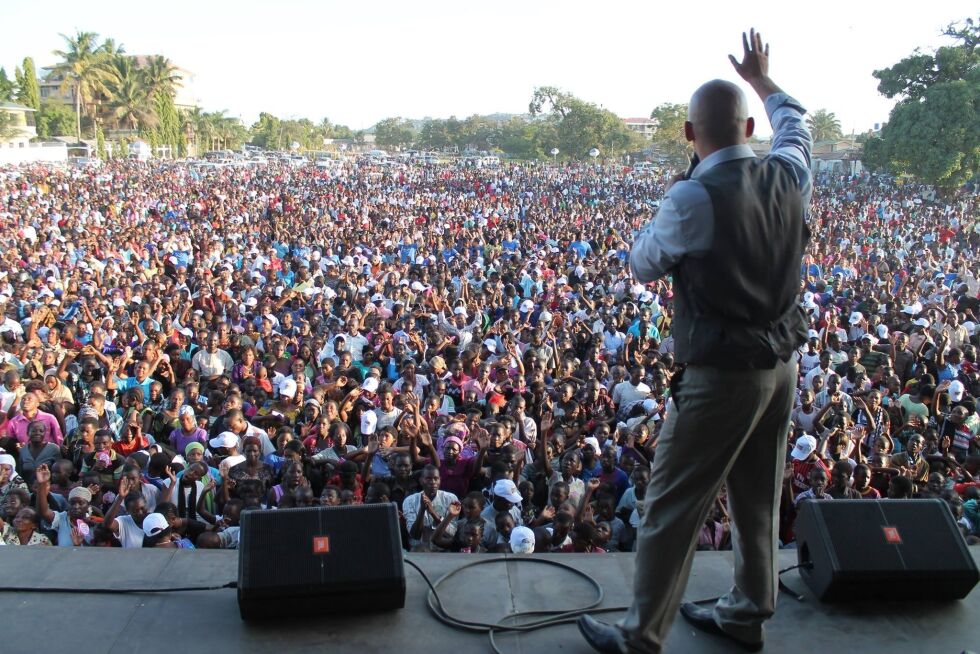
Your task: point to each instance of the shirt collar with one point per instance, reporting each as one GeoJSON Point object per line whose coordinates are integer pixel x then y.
{"type": "Point", "coordinates": [732, 152]}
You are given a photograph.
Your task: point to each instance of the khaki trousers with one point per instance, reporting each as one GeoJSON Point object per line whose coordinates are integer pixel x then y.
{"type": "Point", "coordinates": [723, 425]}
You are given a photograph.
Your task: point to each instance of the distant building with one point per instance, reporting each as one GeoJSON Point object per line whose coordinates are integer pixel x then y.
{"type": "Point", "coordinates": [837, 156]}
{"type": "Point", "coordinates": [645, 127]}
{"type": "Point", "coordinates": [50, 83]}
{"type": "Point", "coordinates": [22, 125]}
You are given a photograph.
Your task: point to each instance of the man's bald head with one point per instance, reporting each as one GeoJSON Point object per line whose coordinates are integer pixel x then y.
{"type": "Point", "coordinates": [717, 117]}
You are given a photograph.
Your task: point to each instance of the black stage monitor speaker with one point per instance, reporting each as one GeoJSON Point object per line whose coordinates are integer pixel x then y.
{"type": "Point", "coordinates": [320, 560]}
{"type": "Point", "coordinates": [883, 550]}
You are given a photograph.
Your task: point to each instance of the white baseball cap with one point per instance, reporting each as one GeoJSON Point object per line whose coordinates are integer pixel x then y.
{"type": "Point", "coordinates": [805, 446]}
{"type": "Point", "coordinates": [288, 388]}
{"type": "Point", "coordinates": [224, 439]}
{"type": "Point", "coordinates": [369, 423]}
{"type": "Point", "coordinates": [506, 489]}
{"type": "Point", "coordinates": [956, 390]}
{"type": "Point", "coordinates": [522, 540]}
{"type": "Point", "coordinates": [154, 524]}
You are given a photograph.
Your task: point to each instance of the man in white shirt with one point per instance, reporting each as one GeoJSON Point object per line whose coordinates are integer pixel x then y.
{"type": "Point", "coordinates": [823, 369]}
{"type": "Point", "coordinates": [632, 389]}
{"type": "Point", "coordinates": [212, 362]}
{"type": "Point", "coordinates": [355, 341]}
{"type": "Point", "coordinates": [425, 510]}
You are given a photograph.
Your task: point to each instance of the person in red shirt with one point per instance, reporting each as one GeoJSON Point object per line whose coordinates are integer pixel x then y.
{"type": "Point", "coordinates": [862, 482]}
{"type": "Point", "coordinates": [349, 479]}
{"type": "Point", "coordinates": [131, 437]}
{"type": "Point", "coordinates": [805, 459]}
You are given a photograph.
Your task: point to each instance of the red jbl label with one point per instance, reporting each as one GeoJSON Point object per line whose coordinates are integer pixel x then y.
{"type": "Point", "coordinates": [892, 536]}
{"type": "Point", "coordinates": [321, 544]}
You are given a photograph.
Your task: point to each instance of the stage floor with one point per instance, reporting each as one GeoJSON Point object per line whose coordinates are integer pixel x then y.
{"type": "Point", "coordinates": [209, 621]}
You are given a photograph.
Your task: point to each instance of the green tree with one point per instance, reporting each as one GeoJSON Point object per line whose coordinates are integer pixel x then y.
{"type": "Point", "coordinates": [130, 96]}
{"type": "Point", "coordinates": [168, 122]}
{"type": "Point", "coordinates": [86, 69]}
{"type": "Point", "coordinates": [434, 135]}
{"type": "Point", "coordinates": [224, 132]}
{"type": "Point", "coordinates": [54, 119]}
{"type": "Point", "coordinates": [393, 133]}
{"type": "Point", "coordinates": [28, 89]}
{"type": "Point", "coordinates": [933, 132]}
{"type": "Point", "coordinates": [100, 150]}
{"type": "Point", "coordinates": [160, 77]}
{"type": "Point", "coordinates": [7, 87]}
{"type": "Point", "coordinates": [575, 126]}
{"type": "Point", "coordinates": [552, 99]}
{"type": "Point", "coordinates": [669, 133]}
{"type": "Point", "coordinates": [824, 125]}
{"type": "Point", "coordinates": [266, 131]}
{"type": "Point", "coordinates": [339, 132]}
{"type": "Point", "coordinates": [197, 124]}
{"type": "Point", "coordinates": [8, 129]}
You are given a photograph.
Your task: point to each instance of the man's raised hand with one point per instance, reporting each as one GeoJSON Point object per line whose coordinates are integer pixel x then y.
{"type": "Point", "coordinates": [755, 57]}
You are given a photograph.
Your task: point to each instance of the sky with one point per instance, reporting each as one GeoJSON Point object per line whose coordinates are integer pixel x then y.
{"type": "Point", "coordinates": [356, 63]}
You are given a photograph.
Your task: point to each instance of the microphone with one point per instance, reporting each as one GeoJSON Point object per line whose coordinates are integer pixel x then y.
{"type": "Point", "coordinates": [695, 160]}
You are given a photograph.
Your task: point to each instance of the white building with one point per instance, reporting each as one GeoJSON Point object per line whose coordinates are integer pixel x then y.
{"type": "Point", "coordinates": [22, 125]}
{"type": "Point", "coordinates": [645, 127]}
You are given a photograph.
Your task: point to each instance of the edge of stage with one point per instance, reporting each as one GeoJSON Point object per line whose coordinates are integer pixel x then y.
{"type": "Point", "coordinates": [209, 620]}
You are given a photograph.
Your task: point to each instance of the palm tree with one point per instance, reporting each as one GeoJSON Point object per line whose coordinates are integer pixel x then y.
{"type": "Point", "coordinates": [213, 126]}
{"type": "Point", "coordinates": [85, 69]}
{"type": "Point", "coordinates": [160, 76]}
{"type": "Point", "coordinates": [196, 121]}
{"type": "Point", "coordinates": [129, 95]}
{"type": "Point", "coordinates": [824, 125]}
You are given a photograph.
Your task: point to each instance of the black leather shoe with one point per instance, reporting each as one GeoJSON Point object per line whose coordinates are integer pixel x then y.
{"type": "Point", "coordinates": [703, 619]}
{"type": "Point", "coordinates": [605, 638]}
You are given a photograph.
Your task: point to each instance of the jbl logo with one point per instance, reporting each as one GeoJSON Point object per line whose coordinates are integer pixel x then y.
{"type": "Point", "coordinates": [321, 544]}
{"type": "Point", "coordinates": [892, 536]}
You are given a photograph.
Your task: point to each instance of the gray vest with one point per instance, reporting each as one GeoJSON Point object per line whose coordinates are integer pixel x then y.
{"type": "Point", "coordinates": [736, 307]}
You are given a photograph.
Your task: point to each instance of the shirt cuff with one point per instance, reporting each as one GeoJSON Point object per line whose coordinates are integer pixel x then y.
{"type": "Point", "coordinates": [777, 100]}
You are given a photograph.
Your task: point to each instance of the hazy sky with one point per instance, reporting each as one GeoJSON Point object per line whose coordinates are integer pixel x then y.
{"type": "Point", "coordinates": [358, 62]}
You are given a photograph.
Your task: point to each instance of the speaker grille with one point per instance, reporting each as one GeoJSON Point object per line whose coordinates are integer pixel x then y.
{"type": "Point", "coordinates": [883, 550]}
{"type": "Point", "coordinates": [865, 533]}
{"type": "Point", "coordinates": [278, 548]}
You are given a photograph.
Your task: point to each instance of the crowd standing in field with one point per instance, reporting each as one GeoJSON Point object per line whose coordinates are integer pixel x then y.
{"type": "Point", "coordinates": [182, 344]}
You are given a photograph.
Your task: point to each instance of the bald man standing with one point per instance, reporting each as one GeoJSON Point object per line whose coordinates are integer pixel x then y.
{"type": "Point", "coordinates": [732, 236]}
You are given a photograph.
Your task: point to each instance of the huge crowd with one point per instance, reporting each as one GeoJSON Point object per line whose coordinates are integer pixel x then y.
{"type": "Point", "coordinates": [180, 345]}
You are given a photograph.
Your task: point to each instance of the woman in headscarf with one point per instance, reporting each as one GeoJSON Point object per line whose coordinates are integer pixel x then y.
{"type": "Point", "coordinates": [9, 479]}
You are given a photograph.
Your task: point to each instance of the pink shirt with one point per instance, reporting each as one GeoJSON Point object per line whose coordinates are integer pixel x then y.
{"type": "Point", "coordinates": [17, 428]}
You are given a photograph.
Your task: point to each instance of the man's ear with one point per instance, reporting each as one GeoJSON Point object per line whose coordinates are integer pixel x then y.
{"type": "Point", "coordinates": [689, 130]}
{"type": "Point", "coordinates": [749, 127]}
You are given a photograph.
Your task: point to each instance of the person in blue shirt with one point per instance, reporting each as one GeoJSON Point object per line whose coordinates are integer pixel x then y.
{"type": "Point", "coordinates": [510, 245]}
{"type": "Point", "coordinates": [140, 379]}
{"type": "Point", "coordinates": [580, 247]}
{"type": "Point", "coordinates": [407, 252]}
{"type": "Point", "coordinates": [643, 326]}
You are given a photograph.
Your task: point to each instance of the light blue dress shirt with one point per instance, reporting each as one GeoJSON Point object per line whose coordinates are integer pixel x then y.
{"type": "Point", "coordinates": [684, 225]}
